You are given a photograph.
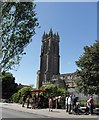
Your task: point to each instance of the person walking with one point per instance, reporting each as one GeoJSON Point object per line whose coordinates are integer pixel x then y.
{"type": "Point", "coordinates": [50, 104]}
{"type": "Point", "coordinates": [23, 100]}
{"type": "Point", "coordinates": [28, 101]}
{"type": "Point", "coordinates": [66, 103]}
{"type": "Point", "coordinates": [33, 102]}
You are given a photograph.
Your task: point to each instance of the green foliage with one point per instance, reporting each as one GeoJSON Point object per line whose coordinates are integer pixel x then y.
{"type": "Point", "coordinates": [88, 71]}
{"type": "Point", "coordinates": [15, 97]}
{"type": "Point", "coordinates": [25, 90]}
{"type": "Point", "coordinates": [84, 102]}
{"type": "Point", "coordinates": [96, 102]}
{"type": "Point", "coordinates": [18, 26]}
{"type": "Point", "coordinates": [61, 92]}
{"type": "Point", "coordinates": [8, 85]}
{"type": "Point", "coordinates": [53, 90]}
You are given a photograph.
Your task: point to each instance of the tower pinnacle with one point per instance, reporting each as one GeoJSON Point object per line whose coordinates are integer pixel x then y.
{"type": "Point", "coordinates": [44, 35]}
{"type": "Point", "coordinates": [51, 32]}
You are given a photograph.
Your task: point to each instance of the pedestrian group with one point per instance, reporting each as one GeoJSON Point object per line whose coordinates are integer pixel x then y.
{"type": "Point", "coordinates": [72, 103]}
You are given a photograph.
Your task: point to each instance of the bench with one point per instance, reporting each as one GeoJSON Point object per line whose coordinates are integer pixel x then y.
{"type": "Point", "coordinates": [96, 109]}
{"type": "Point", "coordinates": [83, 109]}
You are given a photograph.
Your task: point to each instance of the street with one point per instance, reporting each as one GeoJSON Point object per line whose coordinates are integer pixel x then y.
{"type": "Point", "coordinates": [17, 112]}
{"type": "Point", "coordinates": [9, 113]}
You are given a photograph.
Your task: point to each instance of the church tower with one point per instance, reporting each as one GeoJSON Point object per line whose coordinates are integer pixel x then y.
{"type": "Point", "coordinates": [49, 59]}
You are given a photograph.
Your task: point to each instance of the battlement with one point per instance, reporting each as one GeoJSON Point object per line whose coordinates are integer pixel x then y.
{"type": "Point", "coordinates": [50, 35]}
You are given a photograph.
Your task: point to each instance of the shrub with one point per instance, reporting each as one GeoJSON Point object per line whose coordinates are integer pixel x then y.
{"type": "Point", "coordinates": [15, 97]}
{"type": "Point", "coordinates": [25, 90]}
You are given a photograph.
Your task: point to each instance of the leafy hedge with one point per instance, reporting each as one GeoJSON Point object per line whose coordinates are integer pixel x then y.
{"type": "Point", "coordinates": [17, 96]}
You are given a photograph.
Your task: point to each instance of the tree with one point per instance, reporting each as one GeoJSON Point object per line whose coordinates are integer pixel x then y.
{"type": "Point", "coordinates": [88, 71]}
{"type": "Point", "coordinates": [9, 86]}
{"type": "Point", "coordinates": [62, 92]}
{"type": "Point", "coordinates": [17, 97]}
{"type": "Point", "coordinates": [25, 90]}
{"type": "Point", "coordinates": [53, 90]}
{"type": "Point", "coordinates": [18, 26]}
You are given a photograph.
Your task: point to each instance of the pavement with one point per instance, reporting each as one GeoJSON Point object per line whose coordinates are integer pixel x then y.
{"type": "Point", "coordinates": [56, 113]}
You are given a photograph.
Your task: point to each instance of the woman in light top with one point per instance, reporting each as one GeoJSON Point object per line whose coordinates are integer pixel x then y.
{"type": "Point", "coordinates": [69, 104]}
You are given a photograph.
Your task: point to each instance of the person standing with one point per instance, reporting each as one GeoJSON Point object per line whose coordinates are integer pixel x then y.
{"type": "Point", "coordinates": [66, 103]}
{"type": "Point", "coordinates": [56, 102]}
{"type": "Point", "coordinates": [91, 104]}
{"type": "Point", "coordinates": [74, 100]}
{"type": "Point", "coordinates": [87, 107]}
{"type": "Point", "coordinates": [69, 104]}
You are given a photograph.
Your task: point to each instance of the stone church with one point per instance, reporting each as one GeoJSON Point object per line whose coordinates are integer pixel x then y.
{"type": "Point", "coordinates": [50, 64]}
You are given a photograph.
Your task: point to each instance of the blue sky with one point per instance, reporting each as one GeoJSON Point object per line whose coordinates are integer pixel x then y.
{"type": "Point", "coordinates": [76, 23]}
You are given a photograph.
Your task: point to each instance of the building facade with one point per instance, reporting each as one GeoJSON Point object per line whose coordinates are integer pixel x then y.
{"type": "Point", "coordinates": [65, 80]}
{"type": "Point", "coordinates": [50, 62]}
